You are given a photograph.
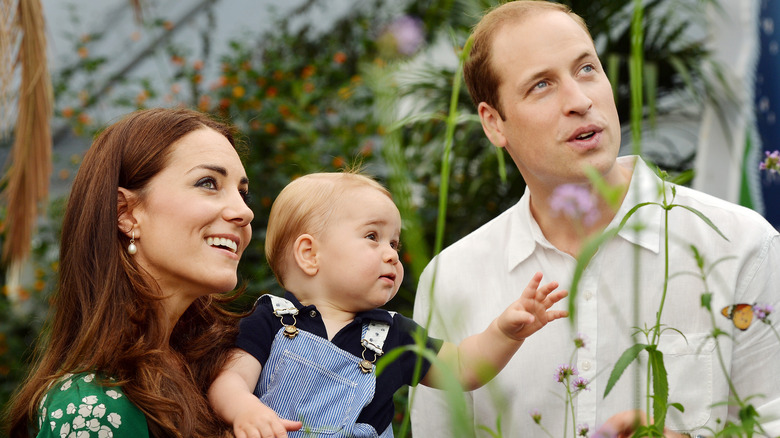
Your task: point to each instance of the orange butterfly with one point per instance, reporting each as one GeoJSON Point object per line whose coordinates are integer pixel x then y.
{"type": "Point", "coordinates": [740, 314]}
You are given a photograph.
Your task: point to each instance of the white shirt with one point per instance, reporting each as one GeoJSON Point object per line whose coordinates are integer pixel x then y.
{"type": "Point", "coordinates": [480, 275]}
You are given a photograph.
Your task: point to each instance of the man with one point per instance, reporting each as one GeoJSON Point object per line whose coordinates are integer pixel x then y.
{"type": "Point", "coordinates": [542, 94]}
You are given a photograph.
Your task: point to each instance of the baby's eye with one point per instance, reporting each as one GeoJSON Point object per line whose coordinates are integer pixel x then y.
{"type": "Point", "coordinates": [396, 245]}
{"type": "Point", "coordinates": [371, 236]}
{"type": "Point", "coordinates": [207, 182]}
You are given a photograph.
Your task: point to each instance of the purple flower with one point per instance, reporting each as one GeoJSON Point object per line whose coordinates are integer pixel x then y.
{"type": "Point", "coordinates": [762, 312]}
{"type": "Point", "coordinates": [564, 371]}
{"type": "Point", "coordinates": [771, 162]}
{"type": "Point", "coordinates": [583, 429]}
{"type": "Point", "coordinates": [408, 34]}
{"type": "Point", "coordinates": [580, 384]}
{"type": "Point", "coordinates": [576, 203]}
{"type": "Point", "coordinates": [535, 415]}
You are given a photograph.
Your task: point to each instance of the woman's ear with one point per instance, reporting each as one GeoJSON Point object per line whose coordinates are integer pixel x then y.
{"type": "Point", "coordinates": [125, 203]}
{"type": "Point", "coordinates": [492, 124]}
{"type": "Point", "coordinates": [305, 253]}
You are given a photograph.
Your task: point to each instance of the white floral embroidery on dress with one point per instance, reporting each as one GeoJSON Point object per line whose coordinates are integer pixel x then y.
{"type": "Point", "coordinates": [65, 386]}
{"type": "Point", "coordinates": [85, 410]}
{"type": "Point", "coordinates": [89, 377]}
{"type": "Point", "coordinates": [71, 409]}
{"type": "Point", "coordinates": [57, 413]}
{"type": "Point", "coordinates": [105, 432]}
{"type": "Point", "coordinates": [115, 419]}
{"type": "Point", "coordinates": [113, 394]}
{"type": "Point", "coordinates": [90, 399]}
{"type": "Point", "coordinates": [53, 425]}
{"type": "Point", "coordinates": [99, 411]}
{"type": "Point", "coordinates": [93, 425]}
{"type": "Point", "coordinates": [78, 422]}
{"type": "Point", "coordinates": [64, 430]}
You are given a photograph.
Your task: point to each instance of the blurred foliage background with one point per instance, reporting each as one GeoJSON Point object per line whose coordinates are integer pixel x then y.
{"type": "Point", "coordinates": [310, 101]}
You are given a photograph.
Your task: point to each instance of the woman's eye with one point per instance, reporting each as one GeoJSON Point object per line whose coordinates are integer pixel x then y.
{"type": "Point", "coordinates": [245, 195]}
{"type": "Point", "coordinates": [588, 68]}
{"type": "Point", "coordinates": [207, 182]}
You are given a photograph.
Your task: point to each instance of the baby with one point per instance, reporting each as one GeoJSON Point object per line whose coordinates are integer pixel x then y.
{"type": "Point", "coordinates": [332, 242]}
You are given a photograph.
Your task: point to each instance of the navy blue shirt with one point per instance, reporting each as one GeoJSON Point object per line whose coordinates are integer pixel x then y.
{"type": "Point", "coordinates": [257, 333]}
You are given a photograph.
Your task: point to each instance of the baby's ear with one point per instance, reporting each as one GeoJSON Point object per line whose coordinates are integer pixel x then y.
{"type": "Point", "coordinates": [305, 252]}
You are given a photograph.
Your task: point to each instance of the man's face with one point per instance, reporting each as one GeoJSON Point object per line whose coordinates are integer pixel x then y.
{"type": "Point", "coordinates": [559, 111]}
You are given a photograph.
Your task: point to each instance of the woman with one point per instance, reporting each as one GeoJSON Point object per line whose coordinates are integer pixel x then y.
{"type": "Point", "coordinates": [155, 225]}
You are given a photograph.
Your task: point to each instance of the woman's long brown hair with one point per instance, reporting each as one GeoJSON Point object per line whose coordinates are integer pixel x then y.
{"type": "Point", "coordinates": [106, 312]}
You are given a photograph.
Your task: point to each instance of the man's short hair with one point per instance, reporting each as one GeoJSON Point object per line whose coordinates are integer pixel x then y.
{"type": "Point", "coordinates": [479, 73]}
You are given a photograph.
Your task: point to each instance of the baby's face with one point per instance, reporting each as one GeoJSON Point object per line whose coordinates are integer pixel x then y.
{"type": "Point", "coordinates": [358, 250]}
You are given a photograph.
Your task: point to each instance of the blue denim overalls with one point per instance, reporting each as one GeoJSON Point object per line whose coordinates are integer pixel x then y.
{"type": "Point", "coordinates": [309, 379]}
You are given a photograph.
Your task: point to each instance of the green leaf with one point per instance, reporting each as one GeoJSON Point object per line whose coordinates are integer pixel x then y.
{"type": "Point", "coordinates": [704, 218]}
{"type": "Point", "coordinates": [660, 385]}
{"type": "Point", "coordinates": [625, 360]}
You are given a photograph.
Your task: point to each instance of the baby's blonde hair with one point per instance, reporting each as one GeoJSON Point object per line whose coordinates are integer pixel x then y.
{"type": "Point", "coordinates": [304, 206]}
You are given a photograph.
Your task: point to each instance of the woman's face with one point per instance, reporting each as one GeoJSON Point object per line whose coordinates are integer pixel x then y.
{"type": "Point", "coordinates": [192, 222]}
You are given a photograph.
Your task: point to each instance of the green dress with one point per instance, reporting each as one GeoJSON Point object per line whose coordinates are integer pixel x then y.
{"type": "Point", "coordinates": [78, 407]}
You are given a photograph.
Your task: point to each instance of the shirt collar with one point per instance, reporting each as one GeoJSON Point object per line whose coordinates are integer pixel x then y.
{"type": "Point", "coordinates": [523, 233]}
{"type": "Point", "coordinates": [379, 315]}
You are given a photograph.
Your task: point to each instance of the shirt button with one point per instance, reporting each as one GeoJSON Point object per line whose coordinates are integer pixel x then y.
{"type": "Point", "coordinates": [588, 295]}
{"type": "Point", "coordinates": [313, 313]}
{"type": "Point", "coordinates": [586, 365]}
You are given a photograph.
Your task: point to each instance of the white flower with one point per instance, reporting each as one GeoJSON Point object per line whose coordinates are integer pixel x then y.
{"type": "Point", "coordinates": [105, 432]}
{"type": "Point", "coordinates": [90, 399]}
{"type": "Point", "coordinates": [115, 419]}
{"type": "Point", "coordinates": [85, 410]}
{"type": "Point", "coordinates": [99, 411]}
{"type": "Point", "coordinates": [89, 377]}
{"type": "Point", "coordinates": [57, 414]}
{"type": "Point", "coordinates": [64, 430]}
{"type": "Point", "coordinates": [93, 425]}
{"type": "Point", "coordinates": [78, 422]}
{"type": "Point", "coordinates": [82, 434]}
{"type": "Point", "coordinates": [113, 394]}
{"type": "Point", "coordinates": [53, 425]}
{"type": "Point", "coordinates": [71, 409]}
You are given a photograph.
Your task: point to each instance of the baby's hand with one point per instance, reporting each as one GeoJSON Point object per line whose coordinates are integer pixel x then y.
{"type": "Point", "coordinates": [260, 421]}
{"type": "Point", "coordinates": [530, 312]}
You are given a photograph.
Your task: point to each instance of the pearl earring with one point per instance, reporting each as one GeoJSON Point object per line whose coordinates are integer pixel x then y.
{"type": "Point", "coordinates": [132, 249]}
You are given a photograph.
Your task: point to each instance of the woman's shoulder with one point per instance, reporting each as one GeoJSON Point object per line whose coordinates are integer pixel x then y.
{"type": "Point", "coordinates": [80, 405]}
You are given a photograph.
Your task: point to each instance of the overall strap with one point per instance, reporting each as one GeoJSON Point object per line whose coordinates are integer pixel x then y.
{"type": "Point", "coordinates": [282, 307]}
{"type": "Point", "coordinates": [374, 335]}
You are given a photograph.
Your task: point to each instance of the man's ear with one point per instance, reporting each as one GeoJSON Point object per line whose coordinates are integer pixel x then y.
{"type": "Point", "coordinates": [125, 203]}
{"type": "Point", "coordinates": [305, 253]}
{"type": "Point", "coordinates": [492, 124]}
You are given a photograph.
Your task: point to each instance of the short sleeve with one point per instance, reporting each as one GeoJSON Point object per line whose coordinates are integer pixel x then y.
{"type": "Point", "coordinates": [79, 407]}
{"type": "Point", "coordinates": [406, 329]}
{"type": "Point", "coordinates": [257, 331]}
